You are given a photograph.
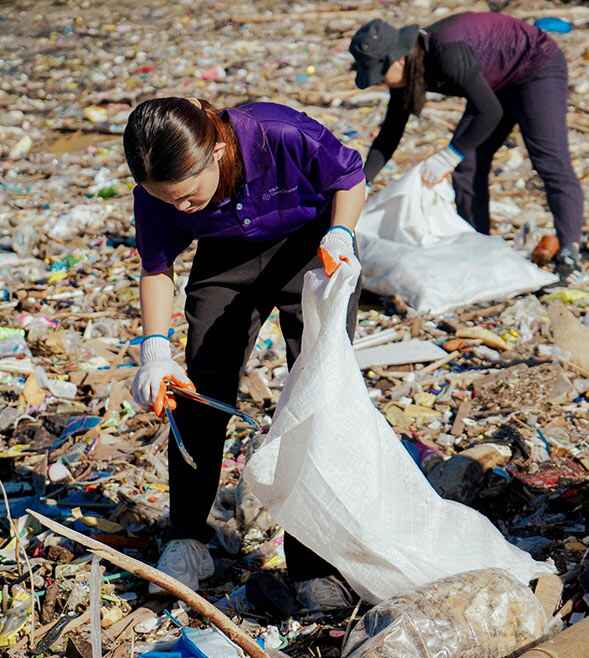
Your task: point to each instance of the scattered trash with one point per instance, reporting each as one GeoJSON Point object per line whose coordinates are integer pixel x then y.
{"type": "Point", "coordinates": [73, 444]}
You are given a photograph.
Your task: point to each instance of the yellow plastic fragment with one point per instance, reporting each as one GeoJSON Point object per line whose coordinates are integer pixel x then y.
{"type": "Point", "coordinates": [15, 619]}
{"type": "Point", "coordinates": [15, 451]}
{"type": "Point", "coordinates": [275, 562]}
{"type": "Point", "coordinates": [111, 616]}
{"type": "Point", "coordinates": [158, 486]}
{"type": "Point", "coordinates": [568, 296]}
{"type": "Point", "coordinates": [421, 413]}
{"type": "Point", "coordinates": [32, 392]}
{"type": "Point", "coordinates": [425, 400]}
{"type": "Point", "coordinates": [96, 522]}
{"type": "Point", "coordinates": [397, 418]}
{"type": "Point", "coordinates": [54, 277]}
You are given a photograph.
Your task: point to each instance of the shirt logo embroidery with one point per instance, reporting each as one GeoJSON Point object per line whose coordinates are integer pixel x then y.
{"type": "Point", "coordinates": [275, 191]}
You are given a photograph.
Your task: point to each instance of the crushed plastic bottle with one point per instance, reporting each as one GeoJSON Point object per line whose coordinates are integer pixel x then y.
{"type": "Point", "coordinates": [478, 614]}
{"type": "Point", "coordinates": [13, 343]}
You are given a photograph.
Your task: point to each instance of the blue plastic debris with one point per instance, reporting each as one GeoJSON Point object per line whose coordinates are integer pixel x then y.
{"type": "Point", "coordinates": [19, 505]}
{"type": "Point", "coordinates": [76, 425]}
{"type": "Point", "coordinates": [553, 24]}
{"type": "Point", "coordinates": [114, 241]}
{"type": "Point", "coordinates": [502, 473]}
{"type": "Point", "coordinates": [200, 643]}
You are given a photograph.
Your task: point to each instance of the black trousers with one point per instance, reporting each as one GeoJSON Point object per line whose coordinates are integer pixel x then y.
{"type": "Point", "coordinates": [538, 106]}
{"type": "Point", "coordinates": [232, 288]}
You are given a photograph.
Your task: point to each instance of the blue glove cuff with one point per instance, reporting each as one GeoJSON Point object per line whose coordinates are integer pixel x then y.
{"type": "Point", "coordinates": [138, 340]}
{"type": "Point", "coordinates": [456, 152]}
{"type": "Point", "coordinates": [341, 227]}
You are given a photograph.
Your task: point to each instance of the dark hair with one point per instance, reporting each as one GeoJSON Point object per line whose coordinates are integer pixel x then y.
{"type": "Point", "coordinates": [415, 89]}
{"type": "Point", "coordinates": [171, 139]}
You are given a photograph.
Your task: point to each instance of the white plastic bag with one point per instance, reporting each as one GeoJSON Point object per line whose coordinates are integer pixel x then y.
{"type": "Point", "coordinates": [334, 474]}
{"type": "Point", "coordinates": [413, 243]}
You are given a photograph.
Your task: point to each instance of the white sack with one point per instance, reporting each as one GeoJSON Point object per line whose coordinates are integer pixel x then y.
{"type": "Point", "coordinates": [335, 475]}
{"type": "Point", "coordinates": [413, 243]}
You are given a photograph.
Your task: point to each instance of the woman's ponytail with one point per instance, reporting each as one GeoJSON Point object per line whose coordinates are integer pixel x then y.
{"type": "Point", "coordinates": [415, 89]}
{"type": "Point", "coordinates": [230, 165]}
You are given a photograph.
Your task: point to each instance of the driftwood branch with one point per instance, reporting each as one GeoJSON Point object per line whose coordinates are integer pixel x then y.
{"type": "Point", "coordinates": [153, 575]}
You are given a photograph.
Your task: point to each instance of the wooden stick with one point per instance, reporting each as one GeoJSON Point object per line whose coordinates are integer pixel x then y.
{"type": "Point", "coordinates": [153, 575]}
{"type": "Point", "coordinates": [463, 411]}
{"type": "Point", "coordinates": [578, 369]}
{"type": "Point", "coordinates": [483, 312]}
{"type": "Point", "coordinates": [438, 364]}
{"type": "Point", "coordinates": [95, 628]}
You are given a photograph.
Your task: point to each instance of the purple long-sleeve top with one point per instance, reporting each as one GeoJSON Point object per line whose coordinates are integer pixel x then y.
{"type": "Point", "coordinates": [292, 167]}
{"type": "Point", "coordinates": [473, 55]}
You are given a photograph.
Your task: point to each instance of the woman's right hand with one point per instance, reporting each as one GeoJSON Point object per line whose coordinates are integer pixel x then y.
{"type": "Point", "coordinates": [157, 366]}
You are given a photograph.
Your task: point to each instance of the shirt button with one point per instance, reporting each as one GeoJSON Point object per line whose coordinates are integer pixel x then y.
{"type": "Point", "coordinates": [239, 206]}
{"type": "Point", "coordinates": [247, 221]}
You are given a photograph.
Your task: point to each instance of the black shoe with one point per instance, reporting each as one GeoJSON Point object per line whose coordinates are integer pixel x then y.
{"type": "Point", "coordinates": [272, 593]}
{"type": "Point", "coordinates": [276, 595]}
{"type": "Point", "coordinates": [567, 261]}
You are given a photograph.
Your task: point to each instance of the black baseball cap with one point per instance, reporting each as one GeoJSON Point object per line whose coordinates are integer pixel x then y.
{"type": "Point", "coordinates": [375, 46]}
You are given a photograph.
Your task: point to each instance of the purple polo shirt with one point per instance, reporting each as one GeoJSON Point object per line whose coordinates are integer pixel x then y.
{"type": "Point", "coordinates": [292, 167]}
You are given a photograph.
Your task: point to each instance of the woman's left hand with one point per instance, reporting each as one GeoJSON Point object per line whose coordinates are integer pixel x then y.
{"type": "Point", "coordinates": [435, 168]}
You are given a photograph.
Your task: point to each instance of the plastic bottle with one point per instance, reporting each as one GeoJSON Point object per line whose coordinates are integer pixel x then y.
{"type": "Point", "coordinates": [478, 614]}
{"type": "Point", "coordinates": [25, 239]}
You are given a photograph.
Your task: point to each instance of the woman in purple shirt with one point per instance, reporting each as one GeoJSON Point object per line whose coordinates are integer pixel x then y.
{"type": "Point", "coordinates": [510, 73]}
{"type": "Point", "coordinates": [261, 187]}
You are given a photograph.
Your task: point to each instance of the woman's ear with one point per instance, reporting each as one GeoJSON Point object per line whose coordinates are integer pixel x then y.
{"type": "Point", "coordinates": [219, 151]}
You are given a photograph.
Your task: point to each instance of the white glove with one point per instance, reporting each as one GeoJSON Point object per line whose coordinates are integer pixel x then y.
{"type": "Point", "coordinates": [156, 363]}
{"type": "Point", "coordinates": [435, 168]}
{"type": "Point", "coordinates": [336, 246]}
